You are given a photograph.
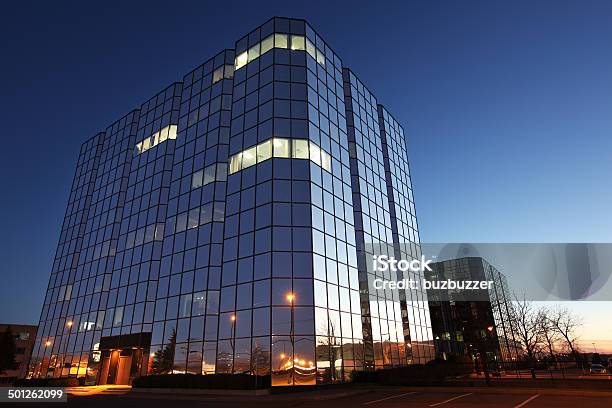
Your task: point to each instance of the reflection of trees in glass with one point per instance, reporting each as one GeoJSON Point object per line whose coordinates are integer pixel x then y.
{"type": "Point", "coordinates": [387, 348]}
{"type": "Point", "coordinates": [225, 357]}
{"type": "Point", "coordinates": [164, 359]}
{"type": "Point", "coordinates": [259, 360]}
{"type": "Point", "coordinates": [332, 350]}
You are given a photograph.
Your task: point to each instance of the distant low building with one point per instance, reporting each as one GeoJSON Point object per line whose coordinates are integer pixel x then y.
{"type": "Point", "coordinates": [469, 322]}
{"type": "Point", "coordinates": [24, 342]}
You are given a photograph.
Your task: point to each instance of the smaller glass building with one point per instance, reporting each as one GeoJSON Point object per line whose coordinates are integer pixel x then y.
{"type": "Point", "coordinates": [469, 322]}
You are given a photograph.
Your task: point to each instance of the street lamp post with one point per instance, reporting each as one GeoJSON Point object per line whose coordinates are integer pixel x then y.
{"type": "Point", "coordinates": [232, 331]}
{"type": "Point", "coordinates": [291, 299]}
{"type": "Point", "coordinates": [69, 325]}
{"type": "Point", "coordinates": [47, 345]}
{"type": "Point", "coordinates": [483, 355]}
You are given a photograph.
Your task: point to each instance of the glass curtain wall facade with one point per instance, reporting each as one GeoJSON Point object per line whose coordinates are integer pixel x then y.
{"type": "Point", "coordinates": [397, 330]}
{"type": "Point", "coordinates": [406, 242]}
{"type": "Point", "coordinates": [185, 327]}
{"type": "Point", "coordinates": [219, 228]}
{"type": "Point", "coordinates": [461, 325]}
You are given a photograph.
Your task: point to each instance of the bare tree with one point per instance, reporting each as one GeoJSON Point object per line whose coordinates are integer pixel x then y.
{"type": "Point", "coordinates": [549, 335]}
{"type": "Point", "coordinates": [566, 324]}
{"type": "Point", "coordinates": [527, 324]}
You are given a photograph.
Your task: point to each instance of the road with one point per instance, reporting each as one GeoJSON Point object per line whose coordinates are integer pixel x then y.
{"type": "Point", "coordinates": [355, 397]}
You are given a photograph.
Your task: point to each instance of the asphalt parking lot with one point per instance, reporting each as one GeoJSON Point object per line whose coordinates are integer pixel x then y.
{"type": "Point", "coordinates": [382, 397]}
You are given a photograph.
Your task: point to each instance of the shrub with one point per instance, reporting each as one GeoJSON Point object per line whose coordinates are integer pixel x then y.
{"type": "Point", "coordinates": [211, 381]}
{"type": "Point", "coordinates": [49, 382]}
{"type": "Point", "coordinates": [364, 376]}
{"type": "Point", "coordinates": [433, 373]}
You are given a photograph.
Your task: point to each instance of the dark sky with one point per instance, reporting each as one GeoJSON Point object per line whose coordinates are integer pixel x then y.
{"type": "Point", "coordinates": [507, 107]}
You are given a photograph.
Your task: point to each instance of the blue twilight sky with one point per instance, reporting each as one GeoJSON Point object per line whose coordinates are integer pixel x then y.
{"type": "Point", "coordinates": [507, 107]}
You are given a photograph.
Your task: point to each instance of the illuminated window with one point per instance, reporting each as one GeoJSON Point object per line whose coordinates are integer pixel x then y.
{"type": "Point", "coordinates": [249, 157]}
{"type": "Point", "coordinates": [217, 75]}
{"type": "Point", "coordinates": [277, 147]}
{"type": "Point", "coordinates": [299, 150]}
{"type": "Point", "coordinates": [146, 144]}
{"type": "Point", "coordinates": [172, 132]}
{"type": "Point", "coordinates": [235, 163]}
{"type": "Point", "coordinates": [241, 60]}
{"type": "Point", "coordinates": [280, 41]}
{"type": "Point", "coordinates": [297, 42]}
{"type": "Point", "coordinates": [155, 139]}
{"type": "Point", "coordinates": [320, 58]}
{"type": "Point", "coordinates": [281, 147]}
{"type": "Point", "coordinates": [169, 132]}
{"type": "Point", "coordinates": [315, 153]}
{"type": "Point", "coordinates": [267, 44]}
{"type": "Point", "coordinates": [310, 49]}
{"type": "Point", "coordinates": [163, 134]}
{"type": "Point", "coordinates": [226, 71]}
{"type": "Point", "coordinates": [253, 52]}
{"type": "Point", "coordinates": [325, 160]}
{"type": "Point", "coordinates": [264, 151]}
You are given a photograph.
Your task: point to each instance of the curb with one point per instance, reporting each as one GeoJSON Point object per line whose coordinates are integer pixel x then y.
{"type": "Point", "coordinates": [192, 391]}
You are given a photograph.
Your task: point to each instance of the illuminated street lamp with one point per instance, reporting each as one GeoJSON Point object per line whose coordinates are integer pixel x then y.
{"type": "Point", "coordinates": [69, 324]}
{"type": "Point", "coordinates": [483, 354]}
{"type": "Point", "coordinates": [291, 299]}
{"type": "Point", "coordinates": [232, 342]}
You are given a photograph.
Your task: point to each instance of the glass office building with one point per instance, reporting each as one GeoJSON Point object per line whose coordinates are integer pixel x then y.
{"type": "Point", "coordinates": [472, 322]}
{"type": "Point", "coordinates": [225, 227]}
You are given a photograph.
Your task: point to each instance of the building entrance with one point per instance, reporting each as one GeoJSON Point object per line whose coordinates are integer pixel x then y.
{"type": "Point", "coordinates": [123, 358]}
{"type": "Point", "coordinates": [120, 367]}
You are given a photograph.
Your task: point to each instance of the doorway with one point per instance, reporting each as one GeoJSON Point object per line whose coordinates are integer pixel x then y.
{"type": "Point", "coordinates": [119, 367]}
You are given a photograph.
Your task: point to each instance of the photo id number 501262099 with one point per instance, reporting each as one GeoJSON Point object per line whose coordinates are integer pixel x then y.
{"type": "Point", "coordinates": [33, 394]}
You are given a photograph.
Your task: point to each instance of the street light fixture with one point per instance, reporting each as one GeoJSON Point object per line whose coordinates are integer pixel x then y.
{"type": "Point", "coordinates": [69, 324]}
{"type": "Point", "coordinates": [232, 341]}
{"type": "Point", "coordinates": [291, 299]}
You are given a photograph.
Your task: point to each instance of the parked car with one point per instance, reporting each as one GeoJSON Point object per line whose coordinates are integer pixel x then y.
{"type": "Point", "coordinates": [597, 369]}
